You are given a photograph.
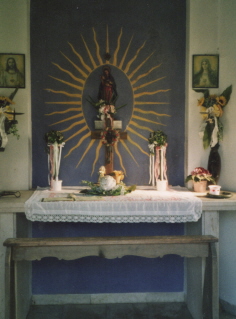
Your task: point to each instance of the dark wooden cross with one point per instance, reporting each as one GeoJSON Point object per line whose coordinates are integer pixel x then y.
{"type": "Point", "coordinates": [109, 154]}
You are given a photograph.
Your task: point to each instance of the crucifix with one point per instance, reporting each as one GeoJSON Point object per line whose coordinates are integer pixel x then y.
{"type": "Point", "coordinates": [109, 132]}
{"type": "Point", "coordinates": [109, 135]}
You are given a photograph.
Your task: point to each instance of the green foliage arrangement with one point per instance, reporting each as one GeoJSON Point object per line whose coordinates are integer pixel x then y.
{"type": "Point", "coordinates": [54, 137]}
{"type": "Point", "coordinates": [157, 138]}
{"type": "Point", "coordinates": [95, 189]}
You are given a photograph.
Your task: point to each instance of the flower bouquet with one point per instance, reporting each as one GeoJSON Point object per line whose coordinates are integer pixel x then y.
{"type": "Point", "coordinates": [211, 109]}
{"type": "Point", "coordinates": [8, 123]}
{"type": "Point", "coordinates": [157, 165]}
{"type": "Point", "coordinates": [54, 140]}
{"type": "Point", "coordinates": [211, 132]}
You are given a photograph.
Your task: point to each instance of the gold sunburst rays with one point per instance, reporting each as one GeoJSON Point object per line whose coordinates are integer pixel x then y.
{"type": "Point", "coordinates": [81, 71]}
{"type": "Point", "coordinates": [145, 120]}
{"type": "Point", "coordinates": [77, 109]}
{"type": "Point", "coordinates": [150, 93]}
{"type": "Point", "coordinates": [128, 150]}
{"type": "Point", "coordinates": [135, 64]}
{"type": "Point", "coordinates": [120, 158]}
{"type": "Point", "coordinates": [85, 136]}
{"type": "Point", "coordinates": [137, 145]}
{"type": "Point", "coordinates": [72, 76]}
{"type": "Point", "coordinates": [143, 75]}
{"type": "Point", "coordinates": [147, 128]}
{"type": "Point", "coordinates": [147, 84]}
{"type": "Point", "coordinates": [84, 128]}
{"type": "Point", "coordinates": [84, 65]}
{"type": "Point", "coordinates": [117, 47]}
{"type": "Point", "coordinates": [80, 88]}
{"type": "Point", "coordinates": [86, 151]}
{"type": "Point", "coordinates": [97, 153]}
{"type": "Point", "coordinates": [69, 119]}
{"type": "Point", "coordinates": [63, 93]}
{"type": "Point", "coordinates": [138, 110]}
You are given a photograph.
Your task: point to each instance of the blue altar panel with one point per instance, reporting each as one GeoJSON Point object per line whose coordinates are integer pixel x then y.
{"type": "Point", "coordinates": [98, 275]}
{"type": "Point", "coordinates": [146, 41]}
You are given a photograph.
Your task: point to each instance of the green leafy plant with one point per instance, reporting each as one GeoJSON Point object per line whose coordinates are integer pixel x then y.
{"type": "Point", "coordinates": [13, 130]}
{"type": "Point", "coordinates": [54, 137]}
{"type": "Point", "coordinates": [157, 138]}
{"type": "Point", "coordinates": [95, 189]}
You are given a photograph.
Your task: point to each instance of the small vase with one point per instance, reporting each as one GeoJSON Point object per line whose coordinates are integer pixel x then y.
{"type": "Point", "coordinates": [200, 187]}
{"type": "Point", "coordinates": [161, 185]}
{"type": "Point", "coordinates": [56, 185]}
{"type": "Point", "coordinates": [214, 162]}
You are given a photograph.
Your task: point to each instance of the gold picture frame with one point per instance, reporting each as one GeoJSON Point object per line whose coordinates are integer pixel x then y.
{"type": "Point", "coordinates": [205, 71]}
{"type": "Point", "coordinates": [12, 70]}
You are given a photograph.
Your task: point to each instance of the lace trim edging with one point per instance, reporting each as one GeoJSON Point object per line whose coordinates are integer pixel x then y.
{"type": "Point", "coordinates": [113, 219]}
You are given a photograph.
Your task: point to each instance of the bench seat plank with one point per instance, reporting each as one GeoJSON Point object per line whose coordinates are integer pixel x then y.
{"type": "Point", "coordinates": [132, 240]}
{"type": "Point", "coordinates": [109, 251]}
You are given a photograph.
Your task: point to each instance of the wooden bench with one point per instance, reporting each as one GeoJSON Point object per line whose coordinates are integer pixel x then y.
{"type": "Point", "coordinates": [18, 249]}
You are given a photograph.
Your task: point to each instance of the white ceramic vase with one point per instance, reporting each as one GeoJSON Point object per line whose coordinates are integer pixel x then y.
{"type": "Point", "coordinates": [161, 185]}
{"type": "Point", "coordinates": [56, 185]}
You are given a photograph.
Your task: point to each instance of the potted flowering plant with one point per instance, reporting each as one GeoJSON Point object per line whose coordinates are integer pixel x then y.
{"type": "Point", "coordinates": [200, 177]}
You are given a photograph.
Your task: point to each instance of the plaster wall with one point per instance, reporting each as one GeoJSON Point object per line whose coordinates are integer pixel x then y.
{"type": "Point", "coordinates": [15, 168]}
{"type": "Point", "coordinates": [227, 47]}
{"type": "Point", "coordinates": [212, 27]}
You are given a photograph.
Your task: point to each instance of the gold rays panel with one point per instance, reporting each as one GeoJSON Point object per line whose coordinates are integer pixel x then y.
{"type": "Point", "coordinates": [134, 64]}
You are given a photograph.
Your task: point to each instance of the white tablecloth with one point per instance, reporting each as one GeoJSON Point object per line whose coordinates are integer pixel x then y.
{"type": "Point", "coordinates": [142, 205]}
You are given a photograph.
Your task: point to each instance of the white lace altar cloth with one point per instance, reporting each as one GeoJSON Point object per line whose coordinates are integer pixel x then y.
{"type": "Point", "coordinates": [142, 205]}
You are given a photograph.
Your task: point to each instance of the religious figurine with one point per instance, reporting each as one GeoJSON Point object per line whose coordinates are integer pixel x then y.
{"type": "Point", "coordinates": [118, 176]}
{"type": "Point", "coordinates": [101, 173]}
{"type": "Point", "coordinates": [107, 87]}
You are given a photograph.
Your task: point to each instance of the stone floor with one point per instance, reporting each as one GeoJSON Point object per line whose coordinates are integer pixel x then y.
{"type": "Point", "coordinates": [115, 311]}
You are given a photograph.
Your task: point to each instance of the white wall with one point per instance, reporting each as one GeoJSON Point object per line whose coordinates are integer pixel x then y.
{"type": "Point", "coordinates": [212, 29]}
{"type": "Point", "coordinates": [202, 40]}
{"type": "Point", "coordinates": [227, 44]}
{"type": "Point", "coordinates": [15, 162]}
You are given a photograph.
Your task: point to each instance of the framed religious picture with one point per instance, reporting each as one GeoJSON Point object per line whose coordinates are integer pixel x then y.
{"type": "Point", "coordinates": [205, 71]}
{"type": "Point", "coordinates": [12, 70]}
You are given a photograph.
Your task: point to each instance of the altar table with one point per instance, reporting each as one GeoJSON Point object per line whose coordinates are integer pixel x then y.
{"type": "Point", "coordinates": [142, 205]}
{"type": "Point", "coordinates": [13, 224]}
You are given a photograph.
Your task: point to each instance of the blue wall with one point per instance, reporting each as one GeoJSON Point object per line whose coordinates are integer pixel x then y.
{"type": "Point", "coordinates": [160, 24]}
{"type": "Point", "coordinates": [98, 275]}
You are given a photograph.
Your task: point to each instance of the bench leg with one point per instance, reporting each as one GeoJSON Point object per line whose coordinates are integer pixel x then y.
{"type": "Point", "coordinates": [10, 310]}
{"type": "Point", "coordinates": [215, 282]}
{"type": "Point", "coordinates": [210, 290]}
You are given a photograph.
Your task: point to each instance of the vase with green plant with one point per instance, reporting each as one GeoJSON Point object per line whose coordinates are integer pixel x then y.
{"type": "Point", "coordinates": [55, 142]}
{"type": "Point", "coordinates": [157, 160]}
